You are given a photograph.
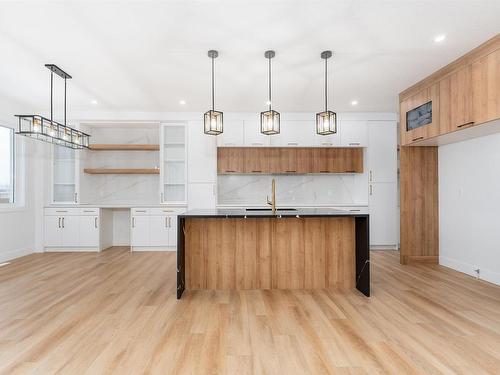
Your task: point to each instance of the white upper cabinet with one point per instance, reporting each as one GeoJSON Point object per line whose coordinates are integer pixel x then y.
{"type": "Point", "coordinates": [331, 140]}
{"type": "Point", "coordinates": [253, 137]}
{"type": "Point", "coordinates": [65, 175]}
{"type": "Point", "coordinates": [382, 152]}
{"type": "Point", "coordinates": [295, 134]}
{"type": "Point", "coordinates": [353, 133]}
{"type": "Point", "coordinates": [232, 135]}
{"type": "Point", "coordinates": [202, 155]}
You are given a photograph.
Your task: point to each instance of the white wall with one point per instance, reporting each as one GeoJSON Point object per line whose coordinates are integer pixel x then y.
{"type": "Point", "coordinates": [469, 203]}
{"type": "Point", "coordinates": [21, 226]}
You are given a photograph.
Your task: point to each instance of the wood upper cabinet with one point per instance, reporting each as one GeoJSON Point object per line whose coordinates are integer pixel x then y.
{"type": "Point", "coordinates": [230, 159]}
{"type": "Point", "coordinates": [486, 88]}
{"type": "Point", "coordinates": [455, 101]}
{"type": "Point", "coordinates": [427, 96]}
{"type": "Point", "coordinates": [297, 160]}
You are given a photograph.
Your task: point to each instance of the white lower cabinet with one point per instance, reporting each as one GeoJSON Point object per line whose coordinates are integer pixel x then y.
{"type": "Point", "coordinates": [383, 215]}
{"type": "Point", "coordinates": [70, 229]}
{"type": "Point", "coordinates": [154, 229]}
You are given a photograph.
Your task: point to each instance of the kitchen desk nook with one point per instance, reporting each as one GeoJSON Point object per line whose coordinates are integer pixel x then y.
{"type": "Point", "coordinates": [256, 249]}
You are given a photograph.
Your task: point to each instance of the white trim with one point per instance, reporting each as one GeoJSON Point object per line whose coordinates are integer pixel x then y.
{"type": "Point", "coordinates": [14, 253]}
{"type": "Point", "coordinates": [71, 249]}
{"type": "Point", "coordinates": [153, 248]}
{"type": "Point", "coordinates": [469, 269]}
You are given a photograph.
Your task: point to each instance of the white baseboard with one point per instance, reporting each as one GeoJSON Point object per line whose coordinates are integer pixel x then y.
{"type": "Point", "coordinates": [153, 248]}
{"type": "Point", "coordinates": [71, 249]}
{"type": "Point", "coordinates": [470, 269]}
{"type": "Point", "coordinates": [6, 255]}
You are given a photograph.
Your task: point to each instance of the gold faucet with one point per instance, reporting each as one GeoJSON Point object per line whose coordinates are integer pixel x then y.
{"type": "Point", "coordinates": [272, 203]}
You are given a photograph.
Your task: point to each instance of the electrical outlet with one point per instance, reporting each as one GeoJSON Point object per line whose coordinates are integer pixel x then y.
{"type": "Point", "coordinates": [477, 271]}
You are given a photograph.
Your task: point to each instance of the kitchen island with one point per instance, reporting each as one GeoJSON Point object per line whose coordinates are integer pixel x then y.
{"type": "Point", "coordinates": [256, 249]}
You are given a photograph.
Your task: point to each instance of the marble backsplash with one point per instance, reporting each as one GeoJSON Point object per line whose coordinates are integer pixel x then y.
{"type": "Point", "coordinates": [308, 189]}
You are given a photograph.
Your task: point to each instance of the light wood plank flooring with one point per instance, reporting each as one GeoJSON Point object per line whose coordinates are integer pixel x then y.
{"type": "Point", "coordinates": [116, 312]}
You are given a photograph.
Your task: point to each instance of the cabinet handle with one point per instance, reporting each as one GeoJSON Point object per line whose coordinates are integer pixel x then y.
{"type": "Point", "coordinates": [350, 171]}
{"type": "Point", "coordinates": [354, 210]}
{"type": "Point", "coordinates": [371, 190]}
{"type": "Point", "coordinates": [229, 143]}
{"type": "Point", "coordinates": [59, 223]}
{"type": "Point", "coordinates": [290, 171]}
{"type": "Point", "coordinates": [354, 143]}
{"type": "Point", "coordinates": [416, 139]}
{"type": "Point", "coordinates": [256, 171]}
{"type": "Point", "coordinates": [230, 171]}
{"type": "Point", "coordinates": [166, 225]}
{"type": "Point", "coordinates": [62, 211]}
{"type": "Point", "coordinates": [467, 123]}
{"type": "Point", "coordinates": [327, 143]}
{"type": "Point", "coordinates": [293, 143]}
{"type": "Point", "coordinates": [168, 210]}
{"type": "Point", "coordinates": [140, 210]}
{"type": "Point", "coordinates": [63, 223]}
{"type": "Point", "coordinates": [323, 171]}
{"type": "Point", "coordinates": [133, 222]}
{"type": "Point", "coordinates": [76, 197]}
{"type": "Point", "coordinates": [161, 198]}
{"type": "Point", "coordinates": [88, 210]}
{"type": "Point", "coordinates": [371, 175]}
{"type": "Point", "coordinates": [257, 143]}
{"type": "Point", "coordinates": [95, 222]}
{"type": "Point", "coordinates": [170, 222]}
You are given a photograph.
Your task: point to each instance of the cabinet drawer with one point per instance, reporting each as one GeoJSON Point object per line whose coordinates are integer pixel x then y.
{"type": "Point", "coordinates": [89, 211]}
{"type": "Point", "coordinates": [140, 211]}
{"type": "Point", "coordinates": [61, 211]}
{"type": "Point", "coordinates": [165, 211]}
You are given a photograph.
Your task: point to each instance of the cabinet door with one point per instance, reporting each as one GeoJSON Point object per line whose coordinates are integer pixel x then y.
{"type": "Point", "coordinates": [295, 134]}
{"type": "Point", "coordinates": [89, 231]}
{"type": "Point", "coordinates": [428, 95]}
{"type": "Point", "coordinates": [383, 212]}
{"type": "Point", "coordinates": [486, 88]}
{"type": "Point", "coordinates": [201, 155]}
{"type": "Point", "coordinates": [382, 151]}
{"type": "Point", "coordinates": [455, 101]}
{"type": "Point", "coordinates": [71, 231]}
{"type": "Point", "coordinates": [288, 160]}
{"type": "Point", "coordinates": [354, 134]}
{"type": "Point", "coordinates": [253, 137]}
{"type": "Point", "coordinates": [159, 231]}
{"type": "Point", "coordinates": [172, 231]}
{"type": "Point", "coordinates": [52, 231]}
{"type": "Point", "coordinates": [139, 234]}
{"type": "Point", "coordinates": [230, 159]}
{"type": "Point", "coordinates": [256, 160]}
{"type": "Point", "coordinates": [233, 134]}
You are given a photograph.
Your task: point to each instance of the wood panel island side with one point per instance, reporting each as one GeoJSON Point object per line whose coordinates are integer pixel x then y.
{"type": "Point", "coordinates": [294, 249]}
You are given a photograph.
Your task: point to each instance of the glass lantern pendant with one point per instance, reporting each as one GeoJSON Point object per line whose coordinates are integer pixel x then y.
{"type": "Point", "coordinates": [213, 120]}
{"type": "Point", "coordinates": [270, 119]}
{"type": "Point", "coordinates": [326, 121]}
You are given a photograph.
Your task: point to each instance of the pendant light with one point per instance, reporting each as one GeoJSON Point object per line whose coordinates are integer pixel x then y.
{"type": "Point", "coordinates": [213, 120]}
{"type": "Point", "coordinates": [48, 130]}
{"type": "Point", "coordinates": [270, 119]}
{"type": "Point", "coordinates": [326, 121]}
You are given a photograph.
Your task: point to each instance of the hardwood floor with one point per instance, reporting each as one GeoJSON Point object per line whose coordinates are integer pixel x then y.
{"type": "Point", "coordinates": [116, 312]}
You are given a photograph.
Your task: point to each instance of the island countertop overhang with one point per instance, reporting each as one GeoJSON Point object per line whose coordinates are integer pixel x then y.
{"type": "Point", "coordinates": [285, 213]}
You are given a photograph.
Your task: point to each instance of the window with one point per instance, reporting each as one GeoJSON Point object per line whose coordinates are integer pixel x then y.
{"type": "Point", "coordinates": [7, 170]}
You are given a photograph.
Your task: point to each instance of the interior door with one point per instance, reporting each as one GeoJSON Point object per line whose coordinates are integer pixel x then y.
{"type": "Point", "coordinates": [52, 231]}
{"type": "Point", "coordinates": [159, 230]}
{"type": "Point", "coordinates": [71, 231]}
{"type": "Point", "coordinates": [89, 231]}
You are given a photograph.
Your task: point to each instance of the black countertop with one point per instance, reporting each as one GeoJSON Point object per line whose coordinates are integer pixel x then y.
{"type": "Point", "coordinates": [242, 213]}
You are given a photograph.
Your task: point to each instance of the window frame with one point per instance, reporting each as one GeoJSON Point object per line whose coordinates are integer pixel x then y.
{"type": "Point", "coordinates": [18, 173]}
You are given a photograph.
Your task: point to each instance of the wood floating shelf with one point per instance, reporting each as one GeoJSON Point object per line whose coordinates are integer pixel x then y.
{"type": "Point", "coordinates": [122, 170]}
{"type": "Point", "coordinates": [124, 147]}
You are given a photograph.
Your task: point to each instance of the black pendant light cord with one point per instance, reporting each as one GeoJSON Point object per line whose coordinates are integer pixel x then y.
{"type": "Point", "coordinates": [213, 86]}
{"type": "Point", "coordinates": [270, 103]}
{"type": "Point", "coordinates": [51, 95]}
{"type": "Point", "coordinates": [326, 85]}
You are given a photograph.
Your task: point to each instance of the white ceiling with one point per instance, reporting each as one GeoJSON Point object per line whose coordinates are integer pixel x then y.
{"type": "Point", "coordinates": [148, 55]}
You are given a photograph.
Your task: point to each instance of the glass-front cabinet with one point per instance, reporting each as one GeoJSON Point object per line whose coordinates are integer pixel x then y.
{"type": "Point", "coordinates": [173, 159]}
{"type": "Point", "coordinates": [65, 175]}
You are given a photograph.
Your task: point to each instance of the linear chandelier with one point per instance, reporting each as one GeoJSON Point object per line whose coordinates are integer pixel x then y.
{"type": "Point", "coordinates": [48, 130]}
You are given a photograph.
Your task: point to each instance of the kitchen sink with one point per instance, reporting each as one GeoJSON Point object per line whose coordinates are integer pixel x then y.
{"type": "Point", "coordinates": [270, 209]}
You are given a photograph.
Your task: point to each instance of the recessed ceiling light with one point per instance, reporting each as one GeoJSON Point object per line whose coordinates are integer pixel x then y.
{"type": "Point", "coordinates": [182, 102]}
{"type": "Point", "coordinates": [439, 38]}
{"type": "Point", "coordinates": [354, 102]}
{"type": "Point", "coordinates": [93, 101]}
